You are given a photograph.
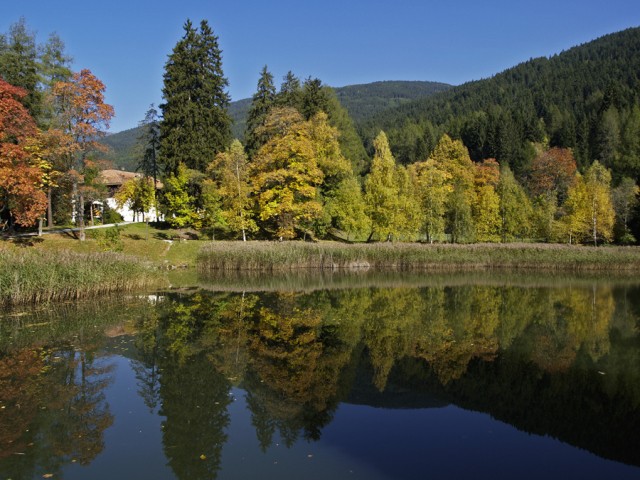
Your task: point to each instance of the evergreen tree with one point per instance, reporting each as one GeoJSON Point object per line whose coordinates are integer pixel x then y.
{"type": "Point", "coordinates": [290, 93]}
{"type": "Point", "coordinates": [19, 64]}
{"type": "Point", "coordinates": [54, 67]}
{"type": "Point", "coordinates": [314, 98]}
{"type": "Point", "coordinates": [261, 103]}
{"type": "Point", "coordinates": [195, 125]}
{"type": "Point", "coordinates": [625, 201]}
{"type": "Point", "coordinates": [149, 140]}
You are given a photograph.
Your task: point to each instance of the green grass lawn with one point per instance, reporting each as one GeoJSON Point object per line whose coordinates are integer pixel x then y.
{"type": "Point", "coordinates": [168, 247]}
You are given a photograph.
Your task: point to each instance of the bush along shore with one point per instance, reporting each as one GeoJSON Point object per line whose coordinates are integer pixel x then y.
{"type": "Point", "coordinates": [280, 256]}
{"type": "Point", "coordinates": [28, 276]}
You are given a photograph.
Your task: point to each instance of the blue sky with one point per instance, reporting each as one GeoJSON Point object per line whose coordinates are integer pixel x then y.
{"type": "Point", "coordinates": [126, 43]}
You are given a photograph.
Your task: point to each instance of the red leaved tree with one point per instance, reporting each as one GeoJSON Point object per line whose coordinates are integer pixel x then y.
{"type": "Point", "coordinates": [21, 175]}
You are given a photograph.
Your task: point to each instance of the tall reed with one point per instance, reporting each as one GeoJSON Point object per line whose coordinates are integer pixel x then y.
{"type": "Point", "coordinates": [279, 256]}
{"type": "Point", "coordinates": [35, 276]}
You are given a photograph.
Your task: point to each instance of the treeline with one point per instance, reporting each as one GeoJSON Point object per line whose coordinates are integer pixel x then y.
{"type": "Point", "coordinates": [50, 120]}
{"type": "Point", "coordinates": [490, 161]}
{"type": "Point", "coordinates": [585, 99]}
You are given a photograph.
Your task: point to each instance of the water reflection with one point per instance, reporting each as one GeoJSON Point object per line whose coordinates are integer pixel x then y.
{"type": "Point", "coordinates": [554, 361]}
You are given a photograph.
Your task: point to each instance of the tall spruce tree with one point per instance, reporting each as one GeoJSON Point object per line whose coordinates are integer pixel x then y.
{"type": "Point", "coordinates": [261, 104]}
{"type": "Point", "coordinates": [19, 64]}
{"type": "Point", "coordinates": [290, 94]}
{"type": "Point", "coordinates": [196, 125]}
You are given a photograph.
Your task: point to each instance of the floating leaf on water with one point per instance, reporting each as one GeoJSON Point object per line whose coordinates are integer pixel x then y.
{"type": "Point", "coordinates": [47, 475]}
{"type": "Point", "coordinates": [203, 457]}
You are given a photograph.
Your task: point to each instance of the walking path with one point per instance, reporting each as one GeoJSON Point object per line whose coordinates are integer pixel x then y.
{"type": "Point", "coordinates": [66, 230]}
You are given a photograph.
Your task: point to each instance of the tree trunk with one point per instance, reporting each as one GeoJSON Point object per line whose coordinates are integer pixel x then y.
{"type": "Point", "coordinates": [40, 220]}
{"type": "Point", "coordinates": [81, 235]}
{"type": "Point", "coordinates": [49, 208]}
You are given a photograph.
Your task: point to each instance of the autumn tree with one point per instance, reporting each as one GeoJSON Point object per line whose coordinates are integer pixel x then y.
{"type": "Point", "coordinates": [21, 174]}
{"type": "Point", "coordinates": [195, 123]}
{"type": "Point", "coordinates": [138, 194]}
{"type": "Point", "coordinates": [230, 173]}
{"type": "Point", "coordinates": [286, 175]}
{"type": "Point", "coordinates": [383, 195]}
{"type": "Point", "coordinates": [515, 207]}
{"type": "Point", "coordinates": [589, 211]}
{"type": "Point", "coordinates": [432, 188]}
{"type": "Point", "coordinates": [486, 207]}
{"type": "Point", "coordinates": [85, 117]}
{"type": "Point", "coordinates": [552, 173]}
{"type": "Point", "coordinates": [452, 157]}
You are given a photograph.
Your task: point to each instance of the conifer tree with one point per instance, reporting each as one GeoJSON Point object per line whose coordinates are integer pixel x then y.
{"type": "Point", "coordinates": [149, 141]}
{"type": "Point", "coordinates": [196, 125]}
{"type": "Point", "coordinates": [261, 103]}
{"type": "Point", "coordinates": [19, 64]}
{"type": "Point", "coordinates": [290, 93]}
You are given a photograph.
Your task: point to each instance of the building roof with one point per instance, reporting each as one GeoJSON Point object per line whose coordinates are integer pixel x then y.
{"type": "Point", "coordinates": [115, 178]}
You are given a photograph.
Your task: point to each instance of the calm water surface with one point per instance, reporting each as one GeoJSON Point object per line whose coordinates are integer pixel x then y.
{"type": "Point", "coordinates": [393, 378]}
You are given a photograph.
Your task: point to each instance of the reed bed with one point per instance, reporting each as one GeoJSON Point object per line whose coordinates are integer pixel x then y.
{"type": "Point", "coordinates": [35, 276]}
{"type": "Point", "coordinates": [283, 256]}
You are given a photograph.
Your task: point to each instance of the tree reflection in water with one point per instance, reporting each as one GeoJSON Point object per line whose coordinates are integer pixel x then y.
{"type": "Point", "coordinates": [563, 362]}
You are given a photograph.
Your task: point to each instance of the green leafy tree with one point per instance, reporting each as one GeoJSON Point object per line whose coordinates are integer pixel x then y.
{"type": "Point", "coordinates": [195, 124]}
{"type": "Point", "coordinates": [261, 103]}
{"type": "Point", "coordinates": [211, 214]}
{"type": "Point", "coordinates": [230, 172]}
{"type": "Point", "coordinates": [432, 189]}
{"type": "Point", "coordinates": [176, 201]}
{"type": "Point", "coordinates": [625, 202]}
{"type": "Point", "coordinates": [452, 157]}
{"type": "Point", "coordinates": [138, 193]}
{"type": "Point", "coordinates": [514, 207]}
{"type": "Point", "coordinates": [346, 208]}
{"type": "Point", "coordinates": [382, 192]}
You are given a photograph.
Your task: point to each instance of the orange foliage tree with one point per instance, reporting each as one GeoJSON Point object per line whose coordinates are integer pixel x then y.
{"type": "Point", "coordinates": [21, 173]}
{"type": "Point", "coordinates": [85, 117]}
{"type": "Point", "coordinates": [553, 172]}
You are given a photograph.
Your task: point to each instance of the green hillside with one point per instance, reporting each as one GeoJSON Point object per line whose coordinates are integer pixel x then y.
{"type": "Point", "coordinates": [586, 98]}
{"type": "Point", "coordinates": [361, 101]}
{"type": "Point", "coordinates": [364, 101]}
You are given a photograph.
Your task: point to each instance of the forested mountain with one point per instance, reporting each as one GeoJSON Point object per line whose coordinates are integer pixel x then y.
{"type": "Point", "coordinates": [361, 101]}
{"type": "Point", "coordinates": [122, 148]}
{"type": "Point", "coordinates": [364, 101]}
{"type": "Point", "coordinates": [586, 98]}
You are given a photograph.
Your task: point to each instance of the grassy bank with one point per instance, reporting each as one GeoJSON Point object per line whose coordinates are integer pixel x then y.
{"type": "Point", "coordinates": [275, 256]}
{"type": "Point", "coordinates": [28, 275]}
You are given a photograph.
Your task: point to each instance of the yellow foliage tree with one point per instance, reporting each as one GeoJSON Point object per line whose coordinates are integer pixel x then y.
{"type": "Point", "coordinates": [286, 175]}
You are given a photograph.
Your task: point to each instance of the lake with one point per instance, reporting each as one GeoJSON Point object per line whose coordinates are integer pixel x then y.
{"type": "Point", "coordinates": [369, 376]}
